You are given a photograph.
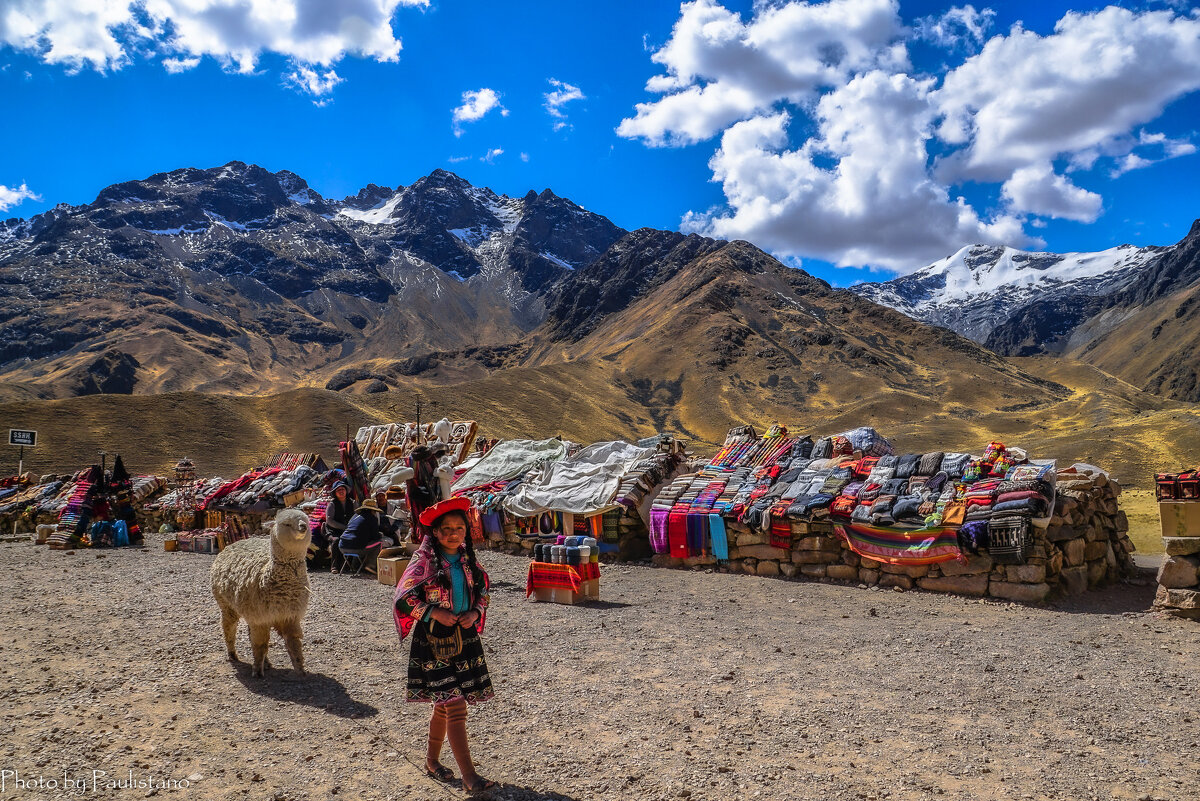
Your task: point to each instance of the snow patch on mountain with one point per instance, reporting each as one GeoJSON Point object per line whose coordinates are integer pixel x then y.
{"type": "Point", "coordinates": [376, 215]}
{"type": "Point", "coordinates": [981, 286]}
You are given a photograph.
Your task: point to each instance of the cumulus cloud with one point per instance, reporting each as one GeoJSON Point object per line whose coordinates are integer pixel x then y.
{"type": "Point", "coordinates": [720, 70]}
{"type": "Point", "coordinates": [563, 93]}
{"type": "Point", "coordinates": [831, 146]}
{"type": "Point", "coordinates": [1026, 99]}
{"type": "Point", "coordinates": [314, 82]}
{"type": "Point", "coordinates": [857, 192]}
{"type": "Point", "coordinates": [475, 105]}
{"type": "Point", "coordinates": [957, 27]}
{"type": "Point", "coordinates": [106, 34]}
{"type": "Point", "coordinates": [1037, 189]}
{"type": "Point", "coordinates": [14, 196]}
{"type": "Point", "coordinates": [178, 65]}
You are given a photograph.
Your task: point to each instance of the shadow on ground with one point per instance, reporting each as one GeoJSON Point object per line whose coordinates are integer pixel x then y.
{"type": "Point", "coordinates": [311, 689]}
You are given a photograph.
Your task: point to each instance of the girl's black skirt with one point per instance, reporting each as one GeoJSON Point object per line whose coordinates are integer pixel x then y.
{"type": "Point", "coordinates": [465, 676]}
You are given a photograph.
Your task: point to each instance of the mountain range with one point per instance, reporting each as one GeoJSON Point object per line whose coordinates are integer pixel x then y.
{"type": "Point", "coordinates": [1130, 311]}
{"type": "Point", "coordinates": [243, 294]}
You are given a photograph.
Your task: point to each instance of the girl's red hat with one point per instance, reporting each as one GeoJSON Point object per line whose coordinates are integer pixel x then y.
{"type": "Point", "coordinates": [432, 513]}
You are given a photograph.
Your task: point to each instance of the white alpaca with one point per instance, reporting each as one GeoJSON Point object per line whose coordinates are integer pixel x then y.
{"type": "Point", "coordinates": [265, 582]}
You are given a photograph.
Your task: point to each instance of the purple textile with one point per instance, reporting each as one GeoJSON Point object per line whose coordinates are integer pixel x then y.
{"type": "Point", "coordinates": [658, 530]}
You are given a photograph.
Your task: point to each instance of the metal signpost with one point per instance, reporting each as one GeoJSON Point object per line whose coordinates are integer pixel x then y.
{"type": "Point", "coordinates": [24, 439]}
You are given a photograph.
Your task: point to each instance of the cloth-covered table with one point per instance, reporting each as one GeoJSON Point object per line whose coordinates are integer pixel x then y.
{"type": "Point", "coordinates": [546, 575]}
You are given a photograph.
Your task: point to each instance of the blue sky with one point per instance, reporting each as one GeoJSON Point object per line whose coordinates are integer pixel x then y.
{"type": "Point", "coordinates": [843, 135]}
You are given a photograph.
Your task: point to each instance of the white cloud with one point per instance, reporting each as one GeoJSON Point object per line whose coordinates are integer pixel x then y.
{"type": "Point", "coordinates": [1027, 99]}
{"type": "Point", "coordinates": [107, 34]}
{"type": "Point", "coordinates": [829, 148]}
{"type": "Point", "coordinates": [1037, 189]}
{"type": "Point", "coordinates": [458, 159]}
{"type": "Point", "coordinates": [857, 192]}
{"type": "Point", "coordinates": [720, 69]}
{"type": "Point", "coordinates": [957, 27]}
{"type": "Point", "coordinates": [313, 82]}
{"type": "Point", "coordinates": [178, 65]}
{"type": "Point", "coordinates": [476, 104]}
{"type": "Point", "coordinates": [524, 157]}
{"type": "Point", "coordinates": [563, 93]}
{"type": "Point", "coordinates": [491, 156]}
{"type": "Point", "coordinates": [14, 196]}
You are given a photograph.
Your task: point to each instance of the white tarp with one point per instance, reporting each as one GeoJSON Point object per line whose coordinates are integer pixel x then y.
{"type": "Point", "coordinates": [510, 459]}
{"type": "Point", "coordinates": [584, 484]}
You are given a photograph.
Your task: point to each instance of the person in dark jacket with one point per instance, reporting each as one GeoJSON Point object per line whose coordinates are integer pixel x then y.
{"type": "Point", "coordinates": [364, 533]}
{"type": "Point", "coordinates": [337, 517]}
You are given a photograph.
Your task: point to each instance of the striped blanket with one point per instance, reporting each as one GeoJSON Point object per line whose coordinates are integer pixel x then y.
{"type": "Point", "coordinates": [900, 546]}
{"type": "Point", "coordinates": [559, 577]}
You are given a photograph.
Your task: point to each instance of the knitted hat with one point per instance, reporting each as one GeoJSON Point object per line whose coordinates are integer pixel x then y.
{"type": "Point", "coordinates": [430, 516]}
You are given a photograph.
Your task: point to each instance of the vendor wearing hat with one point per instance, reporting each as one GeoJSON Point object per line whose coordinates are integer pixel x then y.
{"type": "Point", "coordinates": [324, 539]}
{"type": "Point", "coordinates": [441, 600]}
{"type": "Point", "coordinates": [364, 533]}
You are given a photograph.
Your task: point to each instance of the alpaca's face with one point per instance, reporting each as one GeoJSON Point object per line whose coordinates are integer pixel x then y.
{"type": "Point", "coordinates": [291, 526]}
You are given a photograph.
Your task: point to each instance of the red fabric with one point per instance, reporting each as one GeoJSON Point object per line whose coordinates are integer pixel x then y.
{"type": "Point", "coordinates": [781, 533]}
{"type": "Point", "coordinates": [677, 534]}
{"type": "Point", "coordinates": [544, 575]}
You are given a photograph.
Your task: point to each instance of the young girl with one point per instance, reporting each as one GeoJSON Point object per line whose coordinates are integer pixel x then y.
{"type": "Point", "coordinates": [444, 591]}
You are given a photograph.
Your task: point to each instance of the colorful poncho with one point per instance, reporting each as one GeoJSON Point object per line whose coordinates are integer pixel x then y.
{"type": "Point", "coordinates": [426, 583]}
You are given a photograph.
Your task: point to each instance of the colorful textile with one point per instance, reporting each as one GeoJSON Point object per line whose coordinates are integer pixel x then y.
{"type": "Point", "coordinates": [426, 583]}
{"type": "Point", "coordinates": [718, 537]}
{"type": "Point", "coordinates": [546, 575]}
{"type": "Point", "coordinates": [781, 533]}
{"type": "Point", "coordinates": [697, 533]}
{"type": "Point", "coordinates": [900, 546]}
{"type": "Point", "coordinates": [677, 533]}
{"type": "Point", "coordinates": [464, 676]}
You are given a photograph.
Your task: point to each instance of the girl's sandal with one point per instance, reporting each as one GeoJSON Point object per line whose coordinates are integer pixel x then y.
{"type": "Point", "coordinates": [481, 785]}
{"type": "Point", "coordinates": [439, 772]}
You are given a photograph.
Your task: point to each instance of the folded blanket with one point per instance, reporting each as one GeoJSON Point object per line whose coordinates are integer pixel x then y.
{"type": "Point", "coordinates": [984, 500]}
{"type": "Point", "coordinates": [906, 465]}
{"type": "Point", "coordinates": [1034, 507]}
{"type": "Point", "coordinates": [908, 507]}
{"type": "Point", "coordinates": [887, 461]}
{"type": "Point", "coordinates": [955, 463]}
{"type": "Point", "coordinates": [851, 489]}
{"type": "Point", "coordinates": [861, 513]}
{"type": "Point", "coordinates": [802, 448]}
{"type": "Point", "coordinates": [973, 536]}
{"type": "Point", "coordinates": [1030, 472]}
{"type": "Point", "coordinates": [865, 466]}
{"type": "Point", "coordinates": [979, 513]}
{"type": "Point", "coordinates": [1041, 487]}
{"type": "Point", "coordinates": [897, 486]}
{"type": "Point", "coordinates": [805, 505]}
{"type": "Point", "coordinates": [1020, 495]}
{"type": "Point", "coordinates": [869, 491]}
{"type": "Point", "coordinates": [930, 463]}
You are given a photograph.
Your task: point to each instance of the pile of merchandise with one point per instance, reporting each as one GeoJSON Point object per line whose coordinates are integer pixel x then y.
{"type": "Point", "coordinates": [268, 487]}
{"type": "Point", "coordinates": [959, 502]}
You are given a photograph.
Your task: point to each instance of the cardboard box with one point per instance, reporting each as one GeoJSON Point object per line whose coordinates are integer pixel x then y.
{"type": "Point", "coordinates": [389, 569]}
{"type": "Point", "coordinates": [556, 596]}
{"type": "Point", "coordinates": [590, 590]}
{"type": "Point", "coordinates": [1179, 518]}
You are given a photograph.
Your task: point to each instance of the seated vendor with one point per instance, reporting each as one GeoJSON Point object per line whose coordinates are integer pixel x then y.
{"type": "Point", "coordinates": [323, 549]}
{"type": "Point", "coordinates": [363, 534]}
{"type": "Point", "coordinates": [388, 526]}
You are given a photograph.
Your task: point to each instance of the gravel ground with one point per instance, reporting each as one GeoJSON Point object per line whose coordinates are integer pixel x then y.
{"type": "Point", "coordinates": [676, 685]}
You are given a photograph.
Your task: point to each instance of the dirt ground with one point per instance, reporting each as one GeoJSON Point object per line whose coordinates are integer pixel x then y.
{"type": "Point", "coordinates": [676, 685]}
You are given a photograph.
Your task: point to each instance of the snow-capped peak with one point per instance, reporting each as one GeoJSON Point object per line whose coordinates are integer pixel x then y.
{"type": "Point", "coordinates": [979, 287]}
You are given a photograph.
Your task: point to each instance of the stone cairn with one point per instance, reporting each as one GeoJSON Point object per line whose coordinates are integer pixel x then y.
{"type": "Point", "coordinates": [1085, 545]}
{"type": "Point", "coordinates": [1179, 576]}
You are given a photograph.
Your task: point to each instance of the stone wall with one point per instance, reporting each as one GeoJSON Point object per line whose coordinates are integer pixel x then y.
{"type": "Point", "coordinates": [1179, 575]}
{"type": "Point", "coordinates": [1085, 545]}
